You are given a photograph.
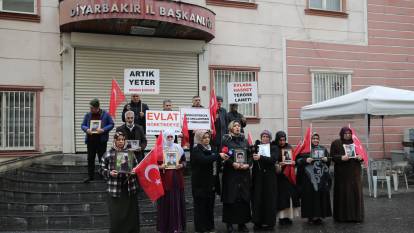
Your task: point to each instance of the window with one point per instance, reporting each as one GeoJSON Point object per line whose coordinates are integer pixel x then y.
{"type": "Point", "coordinates": [328, 5]}
{"type": "Point", "coordinates": [222, 75]}
{"type": "Point", "coordinates": [19, 6]}
{"type": "Point", "coordinates": [17, 120]}
{"type": "Point", "coordinates": [244, 4]}
{"type": "Point", "coordinates": [329, 84]}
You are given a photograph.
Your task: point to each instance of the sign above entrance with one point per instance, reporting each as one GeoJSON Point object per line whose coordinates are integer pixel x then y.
{"type": "Point", "coordinates": [165, 18]}
{"type": "Point", "coordinates": [142, 81]}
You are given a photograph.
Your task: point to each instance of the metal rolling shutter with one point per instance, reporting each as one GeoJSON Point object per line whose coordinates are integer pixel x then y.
{"type": "Point", "coordinates": [94, 70]}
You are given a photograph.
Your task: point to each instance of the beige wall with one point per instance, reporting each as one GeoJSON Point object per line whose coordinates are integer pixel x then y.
{"type": "Point", "coordinates": [29, 56]}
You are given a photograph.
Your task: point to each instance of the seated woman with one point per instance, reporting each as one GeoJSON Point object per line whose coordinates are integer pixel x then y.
{"type": "Point", "coordinates": [314, 182]}
{"type": "Point", "coordinates": [122, 187]}
{"type": "Point", "coordinates": [171, 207]}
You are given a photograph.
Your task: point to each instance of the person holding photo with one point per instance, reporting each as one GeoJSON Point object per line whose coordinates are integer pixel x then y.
{"type": "Point", "coordinates": [236, 180]}
{"type": "Point", "coordinates": [122, 190]}
{"type": "Point", "coordinates": [314, 182]}
{"type": "Point", "coordinates": [203, 181]}
{"type": "Point", "coordinates": [348, 204]}
{"type": "Point", "coordinates": [171, 212]}
{"type": "Point", "coordinates": [264, 186]}
{"type": "Point", "coordinates": [288, 197]}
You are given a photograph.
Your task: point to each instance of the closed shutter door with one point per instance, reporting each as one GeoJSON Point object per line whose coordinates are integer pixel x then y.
{"type": "Point", "coordinates": [94, 70]}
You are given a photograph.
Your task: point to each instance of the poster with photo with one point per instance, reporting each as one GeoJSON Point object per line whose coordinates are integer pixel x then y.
{"type": "Point", "coordinates": [124, 162]}
{"type": "Point", "coordinates": [240, 156]}
{"type": "Point", "coordinates": [350, 150]}
{"type": "Point", "coordinates": [171, 159]}
{"type": "Point", "coordinates": [287, 156]}
{"type": "Point", "coordinates": [317, 153]}
{"type": "Point", "coordinates": [94, 125]}
{"type": "Point", "coordinates": [133, 145]}
{"type": "Point", "coordinates": [264, 150]}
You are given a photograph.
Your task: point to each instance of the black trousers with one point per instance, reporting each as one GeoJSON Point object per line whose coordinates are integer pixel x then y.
{"type": "Point", "coordinates": [94, 147]}
{"type": "Point", "coordinates": [204, 213]}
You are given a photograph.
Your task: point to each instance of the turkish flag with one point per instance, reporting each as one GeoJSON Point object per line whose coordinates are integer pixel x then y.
{"type": "Point", "coordinates": [117, 97]}
{"type": "Point", "coordinates": [249, 139]}
{"type": "Point", "coordinates": [359, 149]}
{"type": "Point", "coordinates": [185, 141]}
{"type": "Point", "coordinates": [148, 174]}
{"type": "Point", "coordinates": [213, 106]}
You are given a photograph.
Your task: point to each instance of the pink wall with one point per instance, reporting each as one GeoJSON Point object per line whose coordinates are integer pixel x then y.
{"type": "Point", "coordinates": [388, 60]}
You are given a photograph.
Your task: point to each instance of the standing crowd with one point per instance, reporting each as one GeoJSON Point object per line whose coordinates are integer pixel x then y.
{"type": "Point", "coordinates": [259, 183]}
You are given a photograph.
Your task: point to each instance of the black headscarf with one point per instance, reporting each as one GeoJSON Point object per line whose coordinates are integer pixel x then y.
{"type": "Point", "coordinates": [279, 135]}
{"type": "Point", "coordinates": [342, 133]}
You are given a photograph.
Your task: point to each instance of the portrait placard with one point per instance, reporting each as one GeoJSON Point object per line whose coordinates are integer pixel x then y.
{"type": "Point", "coordinates": [133, 145]}
{"type": "Point", "coordinates": [124, 161]}
{"type": "Point", "coordinates": [350, 150]}
{"type": "Point", "coordinates": [287, 156]}
{"type": "Point", "coordinates": [94, 125]}
{"type": "Point", "coordinates": [264, 150]}
{"type": "Point", "coordinates": [240, 156]}
{"type": "Point", "coordinates": [171, 159]}
{"type": "Point", "coordinates": [317, 153]}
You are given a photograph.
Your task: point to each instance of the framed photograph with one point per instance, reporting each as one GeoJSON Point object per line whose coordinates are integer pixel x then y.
{"type": "Point", "coordinates": [317, 153]}
{"type": "Point", "coordinates": [94, 125]}
{"type": "Point", "coordinates": [133, 145]}
{"type": "Point", "coordinates": [124, 162]}
{"type": "Point", "coordinates": [350, 150]}
{"type": "Point", "coordinates": [287, 156]}
{"type": "Point", "coordinates": [171, 159]}
{"type": "Point", "coordinates": [264, 150]}
{"type": "Point", "coordinates": [240, 156]}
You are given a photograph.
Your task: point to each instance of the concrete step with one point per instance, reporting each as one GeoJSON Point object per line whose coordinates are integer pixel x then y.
{"type": "Point", "coordinates": [52, 208]}
{"type": "Point", "coordinates": [32, 173]}
{"type": "Point", "coordinates": [9, 194]}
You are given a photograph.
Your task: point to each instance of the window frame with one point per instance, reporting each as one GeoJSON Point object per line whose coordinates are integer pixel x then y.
{"type": "Point", "coordinates": [5, 151]}
{"type": "Point", "coordinates": [349, 74]}
{"type": "Point", "coordinates": [233, 3]}
{"type": "Point", "coordinates": [212, 68]}
{"type": "Point", "coordinates": [324, 12]}
{"type": "Point", "coordinates": [21, 16]}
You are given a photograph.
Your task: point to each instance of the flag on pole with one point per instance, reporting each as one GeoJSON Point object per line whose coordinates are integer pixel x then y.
{"type": "Point", "coordinates": [117, 97]}
{"type": "Point", "coordinates": [213, 106]}
{"type": "Point", "coordinates": [148, 174]}
{"type": "Point", "coordinates": [249, 139]}
{"type": "Point", "coordinates": [359, 149]}
{"type": "Point", "coordinates": [185, 140]}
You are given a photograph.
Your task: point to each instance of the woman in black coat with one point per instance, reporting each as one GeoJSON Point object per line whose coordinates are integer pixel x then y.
{"type": "Point", "coordinates": [203, 181]}
{"type": "Point", "coordinates": [236, 179]}
{"type": "Point", "coordinates": [314, 182]}
{"type": "Point", "coordinates": [264, 179]}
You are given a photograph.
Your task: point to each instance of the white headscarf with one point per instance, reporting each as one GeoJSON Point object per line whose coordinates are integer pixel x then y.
{"type": "Point", "coordinates": [170, 145]}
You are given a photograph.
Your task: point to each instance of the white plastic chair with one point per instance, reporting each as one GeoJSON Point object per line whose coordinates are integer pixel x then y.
{"type": "Point", "coordinates": [399, 165]}
{"type": "Point", "coordinates": [380, 172]}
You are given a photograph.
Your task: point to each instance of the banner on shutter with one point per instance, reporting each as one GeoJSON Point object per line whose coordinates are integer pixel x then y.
{"type": "Point", "coordinates": [198, 118]}
{"type": "Point", "coordinates": [157, 121]}
{"type": "Point", "coordinates": [142, 81]}
{"type": "Point", "coordinates": [242, 92]}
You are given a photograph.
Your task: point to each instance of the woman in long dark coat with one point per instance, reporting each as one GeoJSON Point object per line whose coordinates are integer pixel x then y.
{"type": "Point", "coordinates": [203, 181]}
{"type": "Point", "coordinates": [264, 184]}
{"type": "Point", "coordinates": [348, 205]}
{"type": "Point", "coordinates": [122, 188]}
{"type": "Point", "coordinates": [288, 197]}
{"type": "Point", "coordinates": [171, 207]}
{"type": "Point", "coordinates": [236, 179]}
{"type": "Point", "coordinates": [314, 182]}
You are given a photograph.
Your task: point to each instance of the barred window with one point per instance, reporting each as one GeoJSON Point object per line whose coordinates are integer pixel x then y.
{"type": "Point", "coordinates": [17, 120]}
{"type": "Point", "coordinates": [19, 6]}
{"type": "Point", "coordinates": [329, 84]}
{"type": "Point", "coordinates": [223, 76]}
{"type": "Point", "coordinates": [328, 5]}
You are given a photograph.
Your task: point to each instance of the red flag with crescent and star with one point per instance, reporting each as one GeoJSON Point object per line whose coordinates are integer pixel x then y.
{"type": "Point", "coordinates": [359, 149]}
{"type": "Point", "coordinates": [213, 106]}
{"type": "Point", "coordinates": [148, 174]}
{"type": "Point", "coordinates": [117, 97]}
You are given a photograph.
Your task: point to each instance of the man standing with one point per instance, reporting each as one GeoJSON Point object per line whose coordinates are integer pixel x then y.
{"type": "Point", "coordinates": [167, 105]}
{"type": "Point", "coordinates": [96, 139]}
{"type": "Point", "coordinates": [133, 131]}
{"type": "Point", "coordinates": [220, 124]}
{"type": "Point", "coordinates": [233, 115]}
{"type": "Point", "coordinates": [138, 108]}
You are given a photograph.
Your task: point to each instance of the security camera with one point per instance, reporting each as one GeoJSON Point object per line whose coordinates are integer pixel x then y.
{"type": "Point", "coordinates": [62, 50]}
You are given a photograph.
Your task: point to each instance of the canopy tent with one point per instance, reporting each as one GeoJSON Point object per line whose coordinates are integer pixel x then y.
{"type": "Point", "coordinates": [371, 101]}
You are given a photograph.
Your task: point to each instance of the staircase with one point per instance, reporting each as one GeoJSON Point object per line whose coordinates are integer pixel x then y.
{"type": "Point", "coordinates": [50, 196]}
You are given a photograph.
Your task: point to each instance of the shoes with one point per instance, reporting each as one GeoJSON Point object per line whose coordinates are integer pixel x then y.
{"type": "Point", "coordinates": [230, 228]}
{"type": "Point", "coordinates": [242, 228]}
{"type": "Point", "coordinates": [285, 221]}
{"type": "Point", "coordinates": [268, 228]}
{"type": "Point", "coordinates": [87, 180]}
{"type": "Point", "coordinates": [317, 221]}
{"type": "Point", "coordinates": [257, 227]}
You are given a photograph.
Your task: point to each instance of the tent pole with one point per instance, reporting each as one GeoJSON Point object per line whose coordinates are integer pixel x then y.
{"type": "Point", "coordinates": [367, 120]}
{"type": "Point", "coordinates": [383, 137]}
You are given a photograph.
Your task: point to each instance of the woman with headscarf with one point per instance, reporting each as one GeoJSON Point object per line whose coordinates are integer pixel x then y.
{"type": "Point", "coordinates": [348, 204]}
{"type": "Point", "coordinates": [236, 179]}
{"type": "Point", "coordinates": [122, 187]}
{"type": "Point", "coordinates": [264, 183]}
{"type": "Point", "coordinates": [288, 198]}
{"type": "Point", "coordinates": [203, 181]}
{"type": "Point", "coordinates": [314, 182]}
{"type": "Point", "coordinates": [171, 207]}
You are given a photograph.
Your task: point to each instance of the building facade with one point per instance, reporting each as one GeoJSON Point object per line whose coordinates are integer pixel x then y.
{"type": "Point", "coordinates": [57, 55]}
